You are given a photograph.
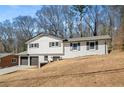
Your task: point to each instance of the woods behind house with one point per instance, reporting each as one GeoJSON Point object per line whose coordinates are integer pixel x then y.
{"type": "Point", "coordinates": [66, 22]}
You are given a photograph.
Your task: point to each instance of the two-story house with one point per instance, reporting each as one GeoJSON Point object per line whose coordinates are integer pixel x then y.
{"type": "Point", "coordinates": [47, 48]}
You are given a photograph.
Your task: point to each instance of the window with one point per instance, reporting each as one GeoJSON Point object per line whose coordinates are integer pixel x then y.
{"type": "Point", "coordinates": [54, 44]}
{"type": "Point", "coordinates": [35, 45]}
{"type": "Point", "coordinates": [57, 43]}
{"type": "Point", "coordinates": [55, 58]}
{"type": "Point", "coordinates": [32, 45]}
{"type": "Point", "coordinates": [75, 46]}
{"type": "Point", "coordinates": [14, 60]}
{"type": "Point", "coordinates": [92, 45]}
{"type": "Point", "coordinates": [45, 58]}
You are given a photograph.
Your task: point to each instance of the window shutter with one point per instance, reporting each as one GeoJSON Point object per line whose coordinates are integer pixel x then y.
{"type": "Point", "coordinates": [37, 45]}
{"type": "Point", "coordinates": [59, 44]}
{"type": "Point", "coordinates": [96, 45]}
{"type": "Point", "coordinates": [29, 45]}
{"type": "Point", "coordinates": [50, 43]}
{"type": "Point", "coordinates": [78, 46]}
{"type": "Point", "coordinates": [87, 45]}
{"type": "Point", "coordinates": [70, 46]}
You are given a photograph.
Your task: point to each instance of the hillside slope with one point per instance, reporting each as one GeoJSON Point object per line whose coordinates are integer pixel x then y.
{"type": "Point", "coordinates": [105, 70]}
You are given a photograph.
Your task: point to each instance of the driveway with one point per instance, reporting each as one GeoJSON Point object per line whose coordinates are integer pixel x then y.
{"type": "Point", "coordinates": [13, 69]}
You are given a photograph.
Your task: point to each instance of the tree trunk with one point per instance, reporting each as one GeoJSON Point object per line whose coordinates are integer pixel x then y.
{"type": "Point", "coordinates": [80, 27]}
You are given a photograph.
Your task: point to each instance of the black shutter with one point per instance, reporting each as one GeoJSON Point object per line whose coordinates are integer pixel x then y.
{"type": "Point", "coordinates": [50, 43]}
{"type": "Point", "coordinates": [70, 46]}
{"type": "Point", "coordinates": [96, 45]}
{"type": "Point", "coordinates": [87, 45]}
{"type": "Point", "coordinates": [29, 45]}
{"type": "Point", "coordinates": [37, 45]}
{"type": "Point", "coordinates": [79, 46]}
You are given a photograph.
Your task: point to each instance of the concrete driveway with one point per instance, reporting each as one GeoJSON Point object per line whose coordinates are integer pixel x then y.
{"type": "Point", "coordinates": [13, 69]}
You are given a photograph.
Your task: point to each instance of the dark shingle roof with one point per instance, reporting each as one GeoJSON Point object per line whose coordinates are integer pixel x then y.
{"type": "Point", "coordinates": [103, 37]}
{"type": "Point", "coordinates": [5, 54]}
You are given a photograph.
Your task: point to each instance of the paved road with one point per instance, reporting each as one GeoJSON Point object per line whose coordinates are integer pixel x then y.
{"type": "Point", "coordinates": [12, 69]}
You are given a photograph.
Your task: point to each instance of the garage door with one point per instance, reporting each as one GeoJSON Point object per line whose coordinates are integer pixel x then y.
{"type": "Point", "coordinates": [24, 61]}
{"type": "Point", "coordinates": [34, 60]}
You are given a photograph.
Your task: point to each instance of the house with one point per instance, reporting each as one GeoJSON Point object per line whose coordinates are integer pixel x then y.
{"type": "Point", "coordinates": [8, 60]}
{"type": "Point", "coordinates": [1, 46]}
{"type": "Point", "coordinates": [46, 48]}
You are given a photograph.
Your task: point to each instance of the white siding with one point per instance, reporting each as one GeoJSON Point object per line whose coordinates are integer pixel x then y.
{"type": "Point", "coordinates": [44, 46]}
{"type": "Point", "coordinates": [65, 51]}
{"type": "Point", "coordinates": [50, 58]}
{"type": "Point", "coordinates": [83, 50]}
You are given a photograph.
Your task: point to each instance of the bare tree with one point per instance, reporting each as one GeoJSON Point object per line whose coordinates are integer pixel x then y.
{"type": "Point", "coordinates": [93, 15]}
{"type": "Point", "coordinates": [63, 21]}
{"type": "Point", "coordinates": [7, 36]}
{"type": "Point", "coordinates": [24, 26]}
{"type": "Point", "coordinates": [81, 9]}
{"type": "Point", "coordinates": [50, 18]}
{"type": "Point", "coordinates": [118, 42]}
{"type": "Point", "coordinates": [69, 20]}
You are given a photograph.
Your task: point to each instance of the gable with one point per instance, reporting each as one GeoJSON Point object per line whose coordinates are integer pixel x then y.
{"type": "Point", "coordinates": [42, 36]}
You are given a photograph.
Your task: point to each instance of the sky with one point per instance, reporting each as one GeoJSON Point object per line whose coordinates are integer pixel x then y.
{"type": "Point", "coordinates": [11, 11]}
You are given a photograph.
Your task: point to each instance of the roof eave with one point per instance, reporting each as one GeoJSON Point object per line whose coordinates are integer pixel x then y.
{"type": "Point", "coordinates": [41, 36]}
{"type": "Point", "coordinates": [90, 39]}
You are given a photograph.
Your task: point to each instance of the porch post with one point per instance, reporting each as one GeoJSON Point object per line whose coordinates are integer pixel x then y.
{"type": "Point", "coordinates": [19, 61]}
{"type": "Point", "coordinates": [28, 60]}
{"type": "Point", "coordinates": [38, 62]}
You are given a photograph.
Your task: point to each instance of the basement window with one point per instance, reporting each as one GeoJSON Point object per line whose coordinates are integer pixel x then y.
{"type": "Point", "coordinates": [45, 58]}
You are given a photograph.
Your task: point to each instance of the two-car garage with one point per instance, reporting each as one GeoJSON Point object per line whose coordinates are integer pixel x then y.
{"type": "Point", "coordinates": [33, 61]}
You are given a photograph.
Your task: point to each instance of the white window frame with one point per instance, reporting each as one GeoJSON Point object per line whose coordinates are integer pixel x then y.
{"type": "Point", "coordinates": [54, 44]}
{"type": "Point", "coordinates": [95, 46]}
{"type": "Point", "coordinates": [14, 59]}
{"type": "Point", "coordinates": [45, 58]}
{"type": "Point", "coordinates": [72, 46]}
{"type": "Point", "coordinates": [34, 45]}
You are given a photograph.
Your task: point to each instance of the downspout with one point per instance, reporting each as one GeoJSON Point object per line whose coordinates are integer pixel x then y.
{"type": "Point", "coordinates": [105, 46]}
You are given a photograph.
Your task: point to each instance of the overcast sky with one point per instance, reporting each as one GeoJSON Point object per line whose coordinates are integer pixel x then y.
{"type": "Point", "coordinates": [12, 11]}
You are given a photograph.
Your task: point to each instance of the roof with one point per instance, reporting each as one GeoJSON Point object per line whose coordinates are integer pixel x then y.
{"type": "Point", "coordinates": [103, 37]}
{"type": "Point", "coordinates": [23, 53]}
{"type": "Point", "coordinates": [5, 54]}
{"type": "Point", "coordinates": [41, 35]}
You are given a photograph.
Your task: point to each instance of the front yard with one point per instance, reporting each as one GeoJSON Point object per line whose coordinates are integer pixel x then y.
{"type": "Point", "coordinates": [105, 70]}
